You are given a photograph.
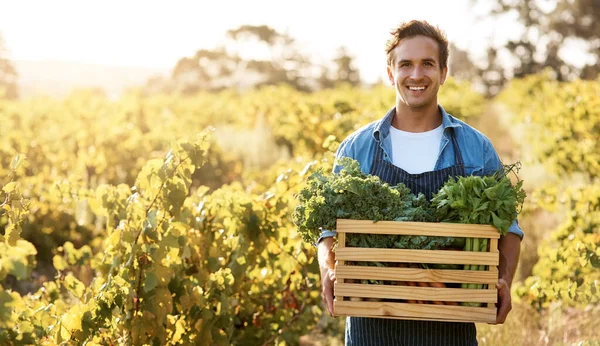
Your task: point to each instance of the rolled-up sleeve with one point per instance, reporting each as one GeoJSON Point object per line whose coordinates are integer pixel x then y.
{"type": "Point", "coordinates": [325, 234]}
{"type": "Point", "coordinates": [516, 229]}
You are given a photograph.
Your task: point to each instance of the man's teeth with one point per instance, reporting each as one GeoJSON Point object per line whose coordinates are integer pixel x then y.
{"type": "Point", "coordinates": [417, 88]}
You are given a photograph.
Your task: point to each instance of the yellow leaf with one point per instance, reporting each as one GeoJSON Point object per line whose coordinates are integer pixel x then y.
{"type": "Point", "coordinates": [114, 238]}
{"type": "Point", "coordinates": [12, 234]}
{"type": "Point", "coordinates": [17, 161]}
{"type": "Point", "coordinates": [74, 286]}
{"type": "Point", "coordinates": [121, 284]}
{"type": "Point", "coordinates": [179, 325]}
{"type": "Point", "coordinates": [59, 263]}
{"type": "Point", "coordinates": [10, 187]}
{"type": "Point", "coordinates": [241, 260]}
{"type": "Point", "coordinates": [71, 321]}
{"type": "Point", "coordinates": [26, 247]}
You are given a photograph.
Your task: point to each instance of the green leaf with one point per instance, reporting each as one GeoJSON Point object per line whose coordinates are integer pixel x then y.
{"type": "Point", "coordinates": [497, 222]}
{"type": "Point", "coordinates": [483, 206]}
{"type": "Point", "coordinates": [476, 202]}
{"type": "Point", "coordinates": [150, 282]}
{"type": "Point", "coordinates": [490, 192]}
{"type": "Point", "coordinates": [152, 218]}
{"type": "Point", "coordinates": [162, 304]}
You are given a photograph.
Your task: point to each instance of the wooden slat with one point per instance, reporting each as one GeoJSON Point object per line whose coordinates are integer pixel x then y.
{"type": "Point", "coordinates": [417, 256]}
{"type": "Point", "coordinates": [415, 311]}
{"type": "Point", "coordinates": [493, 270]}
{"type": "Point", "coordinates": [341, 238]}
{"type": "Point", "coordinates": [415, 274]}
{"type": "Point", "coordinates": [415, 293]}
{"type": "Point", "coordinates": [494, 245]}
{"type": "Point", "coordinates": [417, 228]}
{"type": "Point", "coordinates": [492, 286]}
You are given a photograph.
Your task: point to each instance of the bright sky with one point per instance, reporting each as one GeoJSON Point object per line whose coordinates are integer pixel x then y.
{"type": "Point", "coordinates": [158, 33]}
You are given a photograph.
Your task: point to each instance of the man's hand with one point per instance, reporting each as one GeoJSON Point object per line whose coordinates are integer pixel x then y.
{"type": "Point", "coordinates": [509, 248]}
{"type": "Point", "coordinates": [327, 281]}
{"type": "Point", "coordinates": [504, 301]}
{"type": "Point", "coordinates": [327, 265]}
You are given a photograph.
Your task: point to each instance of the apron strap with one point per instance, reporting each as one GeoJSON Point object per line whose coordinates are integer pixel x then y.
{"type": "Point", "coordinates": [458, 159]}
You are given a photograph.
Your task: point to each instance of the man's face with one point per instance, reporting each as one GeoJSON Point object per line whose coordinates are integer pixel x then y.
{"type": "Point", "coordinates": [415, 71]}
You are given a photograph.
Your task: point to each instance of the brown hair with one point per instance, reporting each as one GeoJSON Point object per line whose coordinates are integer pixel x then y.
{"type": "Point", "coordinates": [418, 28]}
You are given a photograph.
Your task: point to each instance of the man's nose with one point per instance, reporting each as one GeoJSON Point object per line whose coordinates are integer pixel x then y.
{"type": "Point", "coordinates": [417, 72]}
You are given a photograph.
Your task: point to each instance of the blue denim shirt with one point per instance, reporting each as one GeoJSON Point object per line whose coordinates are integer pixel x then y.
{"type": "Point", "coordinates": [478, 153]}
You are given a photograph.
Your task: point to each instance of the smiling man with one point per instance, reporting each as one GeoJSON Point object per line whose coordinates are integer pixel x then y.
{"type": "Point", "coordinates": [419, 144]}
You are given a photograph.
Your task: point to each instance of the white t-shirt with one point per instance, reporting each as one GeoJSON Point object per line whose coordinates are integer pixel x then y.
{"type": "Point", "coordinates": [416, 152]}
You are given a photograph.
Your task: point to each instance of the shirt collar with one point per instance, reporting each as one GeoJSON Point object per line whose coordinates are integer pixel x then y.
{"type": "Point", "coordinates": [382, 129]}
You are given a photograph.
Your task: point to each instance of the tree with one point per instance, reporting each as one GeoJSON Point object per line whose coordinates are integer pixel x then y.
{"type": "Point", "coordinates": [346, 72]}
{"type": "Point", "coordinates": [343, 71]}
{"type": "Point", "coordinates": [252, 56]}
{"type": "Point", "coordinates": [8, 74]}
{"type": "Point", "coordinates": [207, 70]}
{"type": "Point", "coordinates": [230, 65]}
{"type": "Point", "coordinates": [581, 20]}
{"type": "Point", "coordinates": [492, 75]}
{"type": "Point", "coordinates": [460, 64]}
{"type": "Point", "coordinates": [488, 77]}
{"type": "Point", "coordinates": [283, 64]}
{"type": "Point", "coordinates": [325, 80]}
{"type": "Point", "coordinates": [547, 29]}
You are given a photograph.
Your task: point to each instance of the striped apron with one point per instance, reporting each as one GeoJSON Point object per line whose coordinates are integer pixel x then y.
{"type": "Point", "coordinates": [381, 332]}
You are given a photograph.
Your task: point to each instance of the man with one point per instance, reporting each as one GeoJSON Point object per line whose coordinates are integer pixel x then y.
{"type": "Point", "coordinates": [417, 143]}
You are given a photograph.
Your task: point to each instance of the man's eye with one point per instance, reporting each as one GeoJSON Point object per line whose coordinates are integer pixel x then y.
{"type": "Point", "coordinates": [404, 64]}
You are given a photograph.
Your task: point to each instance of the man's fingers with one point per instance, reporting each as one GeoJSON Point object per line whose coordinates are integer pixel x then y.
{"type": "Point", "coordinates": [503, 312]}
{"type": "Point", "coordinates": [328, 297]}
{"type": "Point", "coordinates": [504, 302]}
{"type": "Point", "coordinates": [330, 304]}
{"type": "Point", "coordinates": [327, 289]}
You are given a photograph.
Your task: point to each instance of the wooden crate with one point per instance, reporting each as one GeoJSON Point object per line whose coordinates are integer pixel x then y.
{"type": "Point", "coordinates": [395, 305]}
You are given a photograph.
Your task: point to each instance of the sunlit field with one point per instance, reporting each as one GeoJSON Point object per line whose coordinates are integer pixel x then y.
{"type": "Point", "coordinates": [162, 214]}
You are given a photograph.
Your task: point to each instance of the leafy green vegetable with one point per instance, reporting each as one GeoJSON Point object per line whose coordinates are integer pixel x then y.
{"type": "Point", "coordinates": [491, 200]}
{"type": "Point", "coordinates": [352, 194]}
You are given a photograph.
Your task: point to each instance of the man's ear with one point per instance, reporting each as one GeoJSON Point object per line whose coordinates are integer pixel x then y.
{"type": "Point", "coordinates": [390, 74]}
{"type": "Point", "coordinates": [444, 75]}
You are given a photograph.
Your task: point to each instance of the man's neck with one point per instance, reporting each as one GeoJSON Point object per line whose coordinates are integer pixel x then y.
{"type": "Point", "coordinates": [417, 120]}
